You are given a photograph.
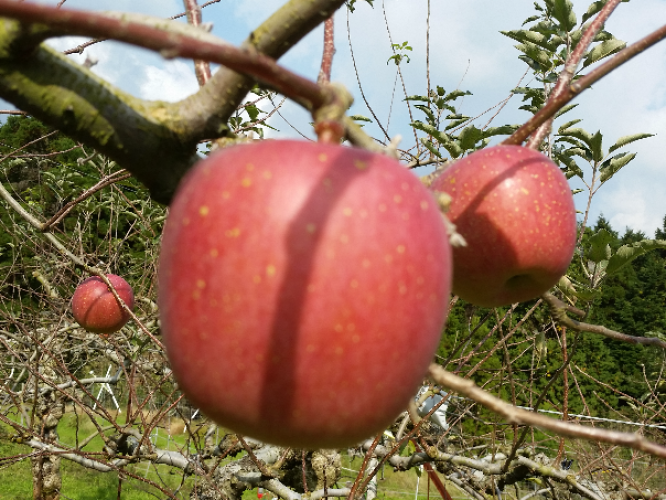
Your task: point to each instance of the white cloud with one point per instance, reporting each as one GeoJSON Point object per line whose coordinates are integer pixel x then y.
{"type": "Point", "coordinates": [172, 82]}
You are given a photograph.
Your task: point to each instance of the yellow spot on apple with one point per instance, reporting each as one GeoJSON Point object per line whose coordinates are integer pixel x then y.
{"type": "Point", "coordinates": [424, 205]}
{"type": "Point", "coordinates": [354, 284]}
{"type": "Point", "coordinates": [402, 288]}
{"type": "Point", "coordinates": [322, 157]}
{"type": "Point", "coordinates": [397, 198]}
{"type": "Point", "coordinates": [363, 213]}
{"type": "Point", "coordinates": [214, 252]}
{"type": "Point", "coordinates": [256, 279]}
{"type": "Point", "coordinates": [196, 294]}
{"type": "Point", "coordinates": [267, 175]}
{"type": "Point", "coordinates": [524, 191]}
{"type": "Point", "coordinates": [203, 211]}
{"type": "Point", "coordinates": [339, 350]}
{"type": "Point", "coordinates": [226, 195]}
{"type": "Point", "coordinates": [365, 263]}
{"type": "Point", "coordinates": [347, 211]}
{"type": "Point", "coordinates": [382, 207]}
{"type": "Point", "coordinates": [270, 270]}
{"type": "Point", "coordinates": [232, 233]}
{"type": "Point", "coordinates": [310, 348]}
{"type": "Point", "coordinates": [246, 182]}
{"type": "Point", "coordinates": [186, 221]}
{"type": "Point", "coordinates": [356, 339]}
{"type": "Point", "coordinates": [401, 249]}
{"type": "Point", "coordinates": [201, 284]}
{"type": "Point", "coordinates": [360, 164]}
{"type": "Point", "coordinates": [338, 328]}
{"type": "Point", "coordinates": [344, 239]}
{"type": "Point", "coordinates": [249, 167]}
{"type": "Point", "coordinates": [311, 228]}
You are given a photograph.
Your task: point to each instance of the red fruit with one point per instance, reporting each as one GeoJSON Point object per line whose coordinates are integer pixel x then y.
{"type": "Point", "coordinates": [514, 208]}
{"type": "Point", "coordinates": [303, 290]}
{"type": "Point", "coordinates": [96, 309]}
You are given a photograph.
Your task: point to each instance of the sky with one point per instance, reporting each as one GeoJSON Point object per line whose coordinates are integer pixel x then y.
{"type": "Point", "coordinates": [467, 52]}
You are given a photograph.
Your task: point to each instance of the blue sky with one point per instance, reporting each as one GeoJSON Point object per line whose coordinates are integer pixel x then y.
{"type": "Point", "coordinates": [467, 52]}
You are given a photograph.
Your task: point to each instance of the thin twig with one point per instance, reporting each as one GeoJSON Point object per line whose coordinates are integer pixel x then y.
{"type": "Point", "coordinates": [329, 51]}
{"type": "Point", "coordinates": [558, 310]}
{"type": "Point", "coordinates": [518, 416]}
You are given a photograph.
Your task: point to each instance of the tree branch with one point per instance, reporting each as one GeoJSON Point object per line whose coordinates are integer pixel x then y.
{"type": "Point", "coordinates": [555, 104]}
{"type": "Point", "coordinates": [156, 141]}
{"type": "Point", "coordinates": [515, 415]}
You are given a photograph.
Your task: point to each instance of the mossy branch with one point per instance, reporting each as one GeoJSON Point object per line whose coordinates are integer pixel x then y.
{"type": "Point", "coordinates": [154, 140]}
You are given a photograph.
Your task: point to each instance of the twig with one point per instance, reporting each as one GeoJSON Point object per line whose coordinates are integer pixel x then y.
{"type": "Point", "coordinates": [558, 310]}
{"type": "Point", "coordinates": [110, 179]}
{"type": "Point", "coordinates": [329, 51]}
{"type": "Point", "coordinates": [201, 68]}
{"type": "Point", "coordinates": [515, 415]}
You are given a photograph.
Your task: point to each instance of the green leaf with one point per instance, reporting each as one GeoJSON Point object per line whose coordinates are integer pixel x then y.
{"type": "Point", "coordinates": [600, 246]}
{"type": "Point", "coordinates": [444, 140]}
{"type": "Point", "coordinates": [564, 109]}
{"type": "Point", "coordinates": [562, 10]}
{"type": "Point", "coordinates": [628, 139]}
{"type": "Point", "coordinates": [430, 147]}
{"type": "Point", "coordinates": [602, 50]}
{"type": "Point", "coordinates": [611, 166]}
{"type": "Point", "coordinates": [457, 93]}
{"type": "Point", "coordinates": [417, 98]}
{"type": "Point", "coordinates": [469, 136]}
{"type": "Point", "coordinates": [572, 169]}
{"type": "Point", "coordinates": [534, 37]}
{"type": "Point", "coordinates": [568, 125]}
{"type": "Point", "coordinates": [360, 118]}
{"type": "Point", "coordinates": [531, 19]}
{"type": "Point", "coordinates": [535, 53]}
{"type": "Point", "coordinates": [593, 9]}
{"type": "Point", "coordinates": [626, 253]}
{"type": "Point", "coordinates": [502, 130]}
{"type": "Point", "coordinates": [578, 133]}
{"type": "Point", "coordinates": [595, 146]}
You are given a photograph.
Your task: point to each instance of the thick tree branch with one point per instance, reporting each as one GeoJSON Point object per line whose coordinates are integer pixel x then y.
{"type": "Point", "coordinates": [156, 141]}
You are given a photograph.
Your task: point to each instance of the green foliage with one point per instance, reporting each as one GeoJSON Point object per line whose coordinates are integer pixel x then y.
{"type": "Point", "coordinates": [399, 53]}
{"type": "Point", "coordinates": [443, 120]}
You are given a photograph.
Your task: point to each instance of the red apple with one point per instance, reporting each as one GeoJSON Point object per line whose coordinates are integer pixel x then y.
{"type": "Point", "coordinates": [514, 208]}
{"type": "Point", "coordinates": [96, 309]}
{"type": "Point", "coordinates": [303, 288]}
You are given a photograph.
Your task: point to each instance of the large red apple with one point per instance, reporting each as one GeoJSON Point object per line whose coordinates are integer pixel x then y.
{"type": "Point", "coordinates": [514, 208]}
{"type": "Point", "coordinates": [96, 309]}
{"type": "Point", "coordinates": [302, 290]}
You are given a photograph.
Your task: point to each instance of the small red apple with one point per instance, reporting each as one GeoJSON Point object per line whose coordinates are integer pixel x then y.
{"type": "Point", "coordinates": [96, 309]}
{"type": "Point", "coordinates": [514, 208]}
{"type": "Point", "coordinates": [303, 288]}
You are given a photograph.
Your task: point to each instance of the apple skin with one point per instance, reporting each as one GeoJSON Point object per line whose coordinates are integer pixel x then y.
{"type": "Point", "coordinates": [514, 208]}
{"type": "Point", "coordinates": [303, 289]}
{"type": "Point", "coordinates": [96, 309]}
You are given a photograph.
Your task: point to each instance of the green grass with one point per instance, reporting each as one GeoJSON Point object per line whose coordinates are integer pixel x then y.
{"type": "Point", "coordinates": [80, 483]}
